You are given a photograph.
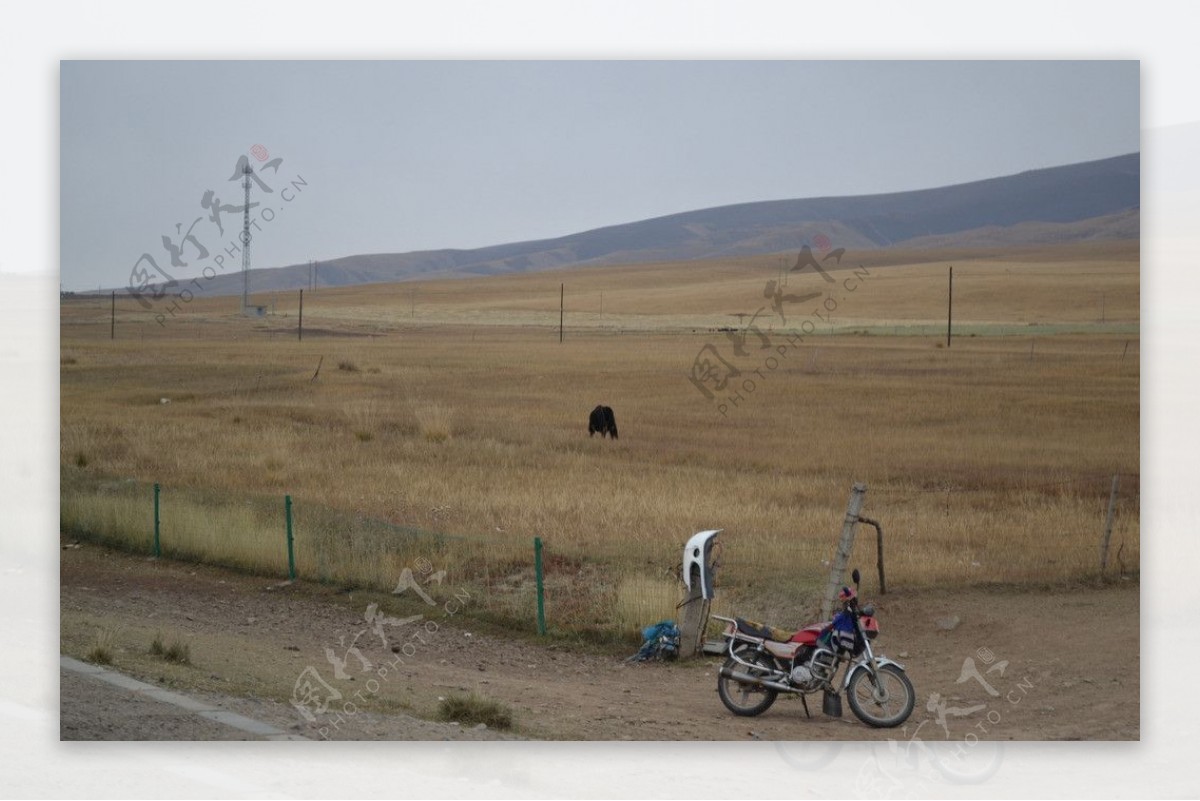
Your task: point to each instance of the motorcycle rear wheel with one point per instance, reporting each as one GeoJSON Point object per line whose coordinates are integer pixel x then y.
{"type": "Point", "coordinates": [747, 700]}
{"type": "Point", "coordinates": [894, 709]}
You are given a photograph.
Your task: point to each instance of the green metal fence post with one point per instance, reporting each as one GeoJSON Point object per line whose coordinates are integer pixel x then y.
{"type": "Point", "coordinates": [287, 507]}
{"type": "Point", "coordinates": [157, 548]}
{"type": "Point", "coordinates": [537, 563]}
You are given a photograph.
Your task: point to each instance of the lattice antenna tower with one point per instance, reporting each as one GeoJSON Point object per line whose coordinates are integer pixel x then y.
{"type": "Point", "coordinates": [247, 171]}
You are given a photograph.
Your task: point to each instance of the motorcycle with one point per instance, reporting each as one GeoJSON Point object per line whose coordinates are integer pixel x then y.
{"type": "Point", "coordinates": [764, 662]}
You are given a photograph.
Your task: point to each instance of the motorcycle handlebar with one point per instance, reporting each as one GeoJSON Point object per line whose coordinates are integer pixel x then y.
{"type": "Point", "coordinates": [867, 610]}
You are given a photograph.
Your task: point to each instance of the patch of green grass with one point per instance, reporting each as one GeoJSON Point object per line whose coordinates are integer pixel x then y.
{"type": "Point", "coordinates": [348, 366]}
{"type": "Point", "coordinates": [364, 436]}
{"type": "Point", "coordinates": [473, 709]}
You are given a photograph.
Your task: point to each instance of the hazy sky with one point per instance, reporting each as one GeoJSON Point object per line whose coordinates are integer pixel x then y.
{"type": "Point", "coordinates": [400, 156]}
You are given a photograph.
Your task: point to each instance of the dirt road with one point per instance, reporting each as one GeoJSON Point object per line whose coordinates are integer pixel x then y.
{"type": "Point", "coordinates": [1034, 664]}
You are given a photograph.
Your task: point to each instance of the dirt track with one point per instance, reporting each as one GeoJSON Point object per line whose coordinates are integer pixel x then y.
{"type": "Point", "coordinates": [1063, 664]}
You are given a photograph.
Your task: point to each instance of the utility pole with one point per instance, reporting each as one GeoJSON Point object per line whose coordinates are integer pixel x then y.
{"type": "Point", "coordinates": [949, 305]}
{"type": "Point", "coordinates": [245, 237]}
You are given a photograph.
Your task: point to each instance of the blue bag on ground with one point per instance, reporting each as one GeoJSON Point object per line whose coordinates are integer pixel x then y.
{"type": "Point", "coordinates": [661, 642]}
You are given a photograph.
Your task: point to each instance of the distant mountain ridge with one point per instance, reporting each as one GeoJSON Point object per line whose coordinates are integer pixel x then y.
{"type": "Point", "coordinates": [1093, 200]}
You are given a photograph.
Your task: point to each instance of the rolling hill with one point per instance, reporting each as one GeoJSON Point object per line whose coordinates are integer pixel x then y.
{"type": "Point", "coordinates": [1089, 201]}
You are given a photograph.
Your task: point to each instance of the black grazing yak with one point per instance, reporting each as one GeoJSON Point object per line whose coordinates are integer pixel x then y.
{"type": "Point", "coordinates": [602, 420]}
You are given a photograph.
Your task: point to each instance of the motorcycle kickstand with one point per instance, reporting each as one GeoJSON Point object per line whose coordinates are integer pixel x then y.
{"type": "Point", "coordinates": [804, 701]}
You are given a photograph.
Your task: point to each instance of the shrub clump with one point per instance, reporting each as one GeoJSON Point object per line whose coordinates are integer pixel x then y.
{"type": "Point", "coordinates": [177, 652]}
{"type": "Point", "coordinates": [434, 423]}
{"type": "Point", "coordinates": [471, 710]}
{"type": "Point", "coordinates": [102, 651]}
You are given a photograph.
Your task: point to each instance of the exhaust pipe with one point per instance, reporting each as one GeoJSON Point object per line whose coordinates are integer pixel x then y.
{"type": "Point", "coordinates": [746, 678]}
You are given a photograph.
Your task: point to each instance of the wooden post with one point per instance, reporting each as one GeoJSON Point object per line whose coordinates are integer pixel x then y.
{"type": "Point", "coordinates": [878, 551]}
{"type": "Point", "coordinates": [695, 609]}
{"type": "Point", "coordinates": [300, 331]}
{"type": "Point", "coordinates": [949, 305]}
{"type": "Point", "coordinates": [837, 570]}
{"type": "Point", "coordinates": [562, 291]}
{"type": "Point", "coordinates": [1108, 524]}
{"type": "Point", "coordinates": [157, 542]}
{"type": "Point", "coordinates": [112, 330]}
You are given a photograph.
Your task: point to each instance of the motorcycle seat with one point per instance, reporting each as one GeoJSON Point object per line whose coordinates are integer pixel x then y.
{"type": "Point", "coordinates": [762, 631]}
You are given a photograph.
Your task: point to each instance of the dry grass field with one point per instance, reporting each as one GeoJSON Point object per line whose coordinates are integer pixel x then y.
{"type": "Point", "coordinates": [448, 422]}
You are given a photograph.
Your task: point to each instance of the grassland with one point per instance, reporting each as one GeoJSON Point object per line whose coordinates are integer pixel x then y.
{"type": "Point", "coordinates": [448, 422]}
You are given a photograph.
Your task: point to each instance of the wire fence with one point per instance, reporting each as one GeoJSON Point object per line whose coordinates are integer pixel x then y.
{"type": "Point", "coordinates": [608, 588]}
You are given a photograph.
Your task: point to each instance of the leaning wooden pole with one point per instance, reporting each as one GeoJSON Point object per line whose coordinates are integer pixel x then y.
{"type": "Point", "coordinates": [837, 571]}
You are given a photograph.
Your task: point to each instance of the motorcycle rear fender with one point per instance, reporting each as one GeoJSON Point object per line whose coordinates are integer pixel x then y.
{"type": "Point", "coordinates": [781, 650]}
{"type": "Point", "coordinates": [879, 661]}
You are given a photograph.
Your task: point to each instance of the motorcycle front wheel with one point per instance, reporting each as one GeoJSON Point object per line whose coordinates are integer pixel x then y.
{"type": "Point", "coordinates": [884, 706]}
{"type": "Point", "coordinates": [742, 699]}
